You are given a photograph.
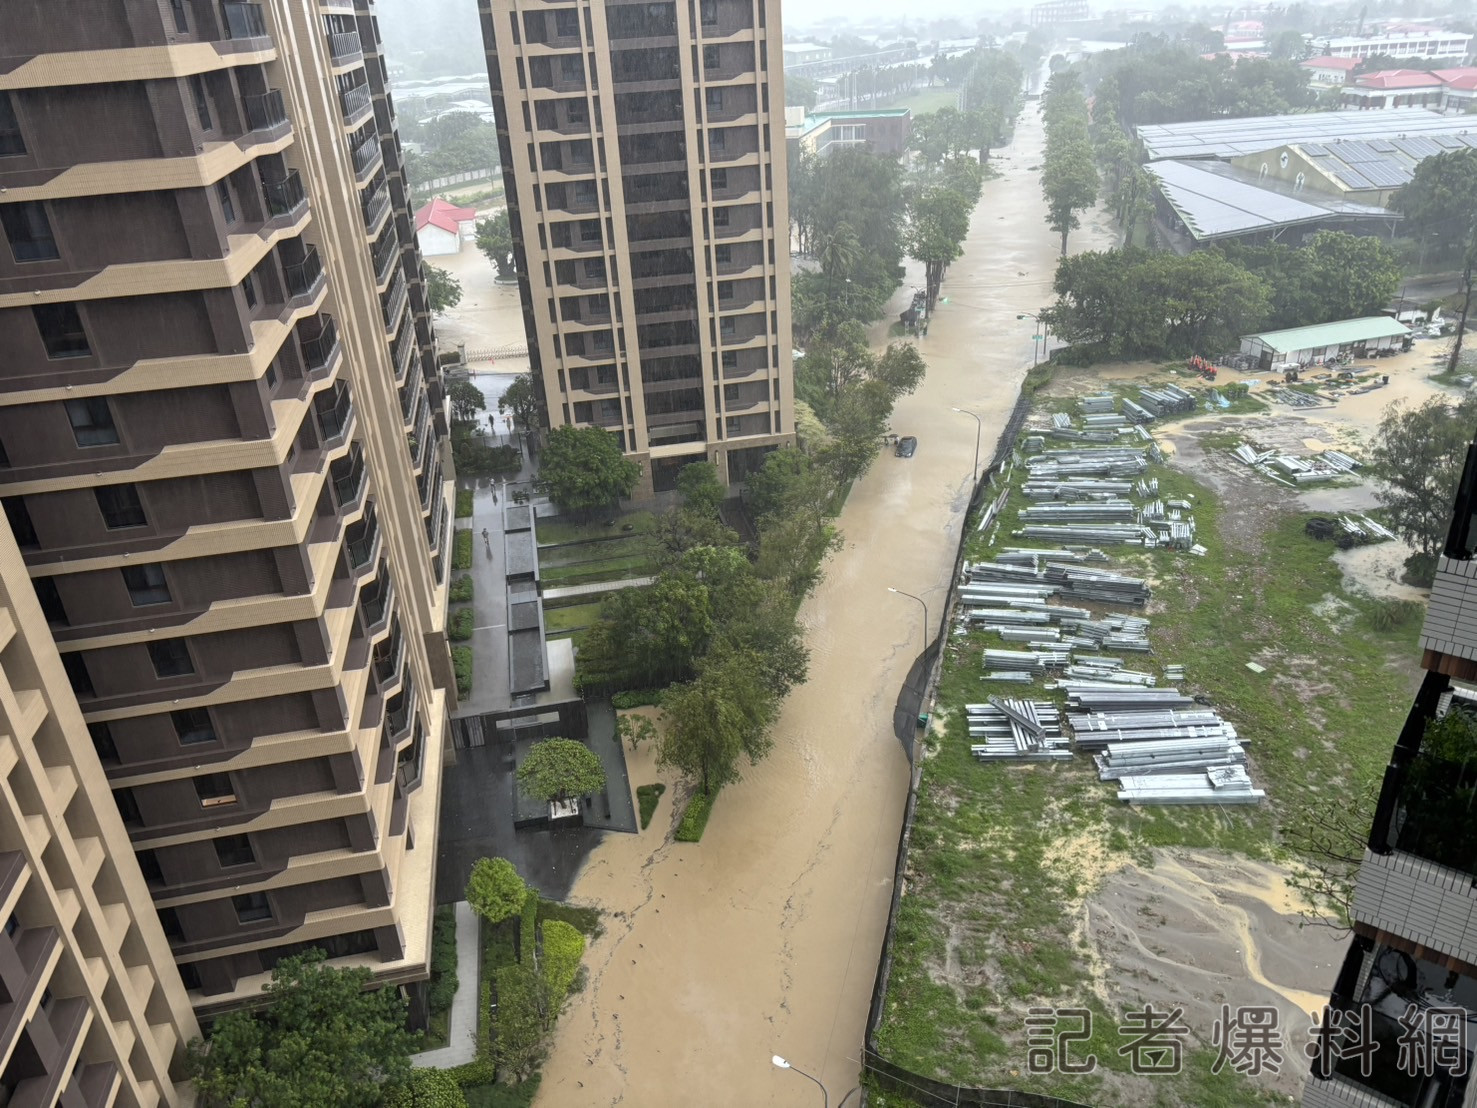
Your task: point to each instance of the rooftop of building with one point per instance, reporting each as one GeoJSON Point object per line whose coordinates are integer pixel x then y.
{"type": "Point", "coordinates": [1229, 138]}
{"type": "Point", "coordinates": [1393, 36]}
{"type": "Point", "coordinates": [443, 214]}
{"type": "Point", "coordinates": [1328, 61]}
{"type": "Point", "coordinates": [1399, 78]}
{"type": "Point", "coordinates": [1383, 163]}
{"type": "Point", "coordinates": [1338, 333]}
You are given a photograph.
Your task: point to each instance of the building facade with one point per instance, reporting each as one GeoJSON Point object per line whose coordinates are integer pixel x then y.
{"type": "Point", "coordinates": [1398, 44]}
{"type": "Point", "coordinates": [1410, 973]}
{"type": "Point", "coordinates": [221, 457]}
{"type": "Point", "coordinates": [643, 153]}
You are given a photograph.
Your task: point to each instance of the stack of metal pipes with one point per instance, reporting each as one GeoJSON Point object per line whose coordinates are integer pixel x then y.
{"type": "Point", "coordinates": [1219, 785]}
{"type": "Point", "coordinates": [1077, 488]}
{"type": "Point", "coordinates": [1168, 400]}
{"type": "Point", "coordinates": [1097, 511]}
{"type": "Point", "coordinates": [1111, 461]}
{"type": "Point", "coordinates": [1100, 404]}
{"type": "Point", "coordinates": [1017, 730]}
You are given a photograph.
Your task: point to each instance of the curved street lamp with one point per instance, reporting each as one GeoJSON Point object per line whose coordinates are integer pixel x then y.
{"type": "Point", "coordinates": [1036, 340]}
{"type": "Point", "coordinates": [825, 1095]}
{"type": "Point", "coordinates": [978, 429]}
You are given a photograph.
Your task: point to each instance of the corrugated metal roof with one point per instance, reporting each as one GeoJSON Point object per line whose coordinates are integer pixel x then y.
{"type": "Point", "coordinates": [1383, 163]}
{"type": "Point", "coordinates": [1330, 334]}
{"type": "Point", "coordinates": [1229, 138]}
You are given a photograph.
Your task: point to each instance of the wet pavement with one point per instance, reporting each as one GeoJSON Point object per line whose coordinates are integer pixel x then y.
{"type": "Point", "coordinates": [764, 938]}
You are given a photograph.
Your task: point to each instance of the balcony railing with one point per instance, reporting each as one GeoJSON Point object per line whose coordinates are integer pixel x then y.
{"type": "Point", "coordinates": [345, 46]}
{"type": "Point", "coordinates": [394, 303]}
{"type": "Point", "coordinates": [366, 153]}
{"type": "Point", "coordinates": [318, 351]}
{"type": "Point", "coordinates": [408, 765]}
{"type": "Point", "coordinates": [285, 197]}
{"type": "Point", "coordinates": [410, 392]}
{"type": "Point", "coordinates": [375, 205]}
{"type": "Point", "coordinates": [334, 417]}
{"type": "Point", "coordinates": [386, 250]}
{"type": "Point", "coordinates": [265, 110]}
{"type": "Point", "coordinates": [397, 720]}
{"type": "Point", "coordinates": [348, 487]}
{"type": "Point", "coordinates": [303, 277]}
{"type": "Point", "coordinates": [361, 548]}
{"type": "Point", "coordinates": [404, 355]}
{"type": "Point", "coordinates": [387, 656]}
{"type": "Point", "coordinates": [244, 21]}
{"type": "Point", "coordinates": [355, 101]}
{"type": "Point", "coordinates": [375, 607]}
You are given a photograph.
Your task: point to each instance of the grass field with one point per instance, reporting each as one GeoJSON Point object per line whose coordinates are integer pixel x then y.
{"type": "Point", "coordinates": [920, 100]}
{"type": "Point", "coordinates": [561, 621]}
{"type": "Point", "coordinates": [990, 869]}
{"type": "Point", "coordinates": [552, 532]}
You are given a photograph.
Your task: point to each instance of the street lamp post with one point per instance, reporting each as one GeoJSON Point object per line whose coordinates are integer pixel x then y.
{"type": "Point", "coordinates": [1035, 339]}
{"type": "Point", "coordinates": [925, 612]}
{"type": "Point", "coordinates": [978, 429]}
{"type": "Point", "coordinates": [784, 1065]}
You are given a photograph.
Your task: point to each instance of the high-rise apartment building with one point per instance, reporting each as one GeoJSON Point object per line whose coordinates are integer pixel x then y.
{"type": "Point", "coordinates": [221, 434]}
{"type": "Point", "coordinates": [643, 150]}
{"type": "Point", "coordinates": [94, 1012]}
{"type": "Point", "coordinates": [1401, 1023]}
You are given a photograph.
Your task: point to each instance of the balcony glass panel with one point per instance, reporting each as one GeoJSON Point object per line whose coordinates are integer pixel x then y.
{"type": "Point", "coordinates": [334, 409]}
{"type": "Point", "coordinates": [286, 196]}
{"type": "Point", "coordinates": [1436, 814]}
{"type": "Point", "coordinates": [303, 276]}
{"type": "Point", "coordinates": [244, 21]}
{"type": "Point", "coordinates": [361, 540]}
{"type": "Point", "coordinates": [318, 351]}
{"type": "Point", "coordinates": [264, 110]}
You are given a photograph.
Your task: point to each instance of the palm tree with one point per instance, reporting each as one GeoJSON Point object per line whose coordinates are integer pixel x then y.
{"type": "Point", "coordinates": [837, 250]}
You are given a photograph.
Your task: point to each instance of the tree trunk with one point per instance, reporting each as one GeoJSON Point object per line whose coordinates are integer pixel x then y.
{"type": "Point", "coordinates": [1461, 327]}
{"type": "Point", "coordinates": [1064, 242]}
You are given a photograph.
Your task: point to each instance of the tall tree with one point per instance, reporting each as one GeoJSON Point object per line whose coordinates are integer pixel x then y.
{"type": "Point", "coordinates": [466, 401]}
{"type": "Point", "coordinates": [495, 239]}
{"type": "Point", "coordinates": [558, 769]}
{"type": "Point", "coordinates": [1417, 458]}
{"type": "Point", "coordinates": [938, 223]}
{"type": "Point", "coordinates": [324, 1037]}
{"type": "Point", "coordinates": [1441, 201]}
{"type": "Point", "coordinates": [443, 290]}
{"type": "Point", "coordinates": [583, 468]}
{"type": "Point", "coordinates": [716, 719]}
{"type": "Point", "coordinates": [701, 488]}
{"type": "Point", "coordinates": [495, 891]}
{"type": "Point", "coordinates": [1069, 182]}
{"type": "Point", "coordinates": [524, 398]}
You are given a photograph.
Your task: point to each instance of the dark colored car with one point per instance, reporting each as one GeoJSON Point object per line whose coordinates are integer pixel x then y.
{"type": "Point", "coordinates": [906, 446]}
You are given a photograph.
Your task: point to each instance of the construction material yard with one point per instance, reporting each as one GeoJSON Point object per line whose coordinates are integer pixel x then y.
{"type": "Point", "coordinates": [1029, 882]}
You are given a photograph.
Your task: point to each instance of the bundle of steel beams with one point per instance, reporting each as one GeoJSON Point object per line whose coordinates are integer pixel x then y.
{"type": "Point", "coordinates": [1222, 785]}
{"type": "Point", "coordinates": [1137, 412]}
{"type": "Point", "coordinates": [1087, 462]}
{"type": "Point", "coordinates": [1100, 534]}
{"type": "Point", "coordinates": [1077, 488]}
{"type": "Point", "coordinates": [1105, 421]}
{"type": "Point", "coordinates": [1028, 730]}
{"type": "Point", "coordinates": [1097, 405]}
{"type": "Point", "coordinates": [1168, 400]}
{"type": "Point", "coordinates": [1132, 759]}
{"type": "Point", "coordinates": [1098, 511]}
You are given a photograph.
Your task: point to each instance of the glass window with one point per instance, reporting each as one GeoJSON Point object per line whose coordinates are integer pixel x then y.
{"type": "Point", "coordinates": [717, 140]}
{"type": "Point", "coordinates": [228, 206]}
{"type": "Point", "coordinates": [730, 359]}
{"type": "Point", "coordinates": [202, 102]}
{"type": "Point", "coordinates": [61, 330]}
{"type": "Point", "coordinates": [252, 907]}
{"type": "Point", "coordinates": [725, 290]}
{"type": "Point", "coordinates": [595, 269]}
{"type": "Point", "coordinates": [215, 789]}
{"type": "Point", "coordinates": [248, 289]}
{"type": "Point", "coordinates": [120, 506]}
{"type": "Point", "coordinates": [710, 57]}
{"type": "Point", "coordinates": [51, 601]}
{"type": "Point", "coordinates": [723, 255]}
{"type": "Point", "coordinates": [171, 658]}
{"type": "Point", "coordinates": [92, 421]}
{"type": "Point", "coordinates": [714, 99]}
{"type": "Point", "coordinates": [726, 325]}
{"type": "Point", "coordinates": [720, 180]}
{"type": "Point", "coordinates": [102, 741]}
{"type": "Point", "coordinates": [235, 850]}
{"type": "Point", "coordinates": [566, 23]}
{"type": "Point", "coordinates": [193, 725]}
{"type": "Point", "coordinates": [577, 111]}
{"type": "Point", "coordinates": [709, 11]}
{"type": "Point", "coordinates": [146, 585]}
{"type": "Point", "coordinates": [572, 67]}
{"type": "Point", "coordinates": [10, 129]}
{"type": "Point", "coordinates": [180, 23]}
{"type": "Point", "coordinates": [29, 231]}
{"type": "Point", "coordinates": [720, 217]}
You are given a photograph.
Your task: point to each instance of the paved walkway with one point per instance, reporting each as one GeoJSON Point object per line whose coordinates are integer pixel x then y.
{"type": "Point", "coordinates": [596, 587]}
{"type": "Point", "coordinates": [461, 1037]}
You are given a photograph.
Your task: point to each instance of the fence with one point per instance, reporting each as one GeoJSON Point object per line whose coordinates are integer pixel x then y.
{"type": "Point", "coordinates": [925, 1091]}
{"type": "Point", "coordinates": [492, 353]}
{"type": "Point", "coordinates": [457, 179]}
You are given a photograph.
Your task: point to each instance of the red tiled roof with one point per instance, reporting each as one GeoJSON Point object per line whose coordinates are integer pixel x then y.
{"type": "Point", "coordinates": [1463, 78]}
{"type": "Point", "coordinates": [1398, 78]}
{"type": "Point", "coordinates": [1329, 62]}
{"type": "Point", "coordinates": [443, 214]}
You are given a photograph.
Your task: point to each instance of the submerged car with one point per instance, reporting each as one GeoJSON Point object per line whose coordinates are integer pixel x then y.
{"type": "Point", "coordinates": [906, 446]}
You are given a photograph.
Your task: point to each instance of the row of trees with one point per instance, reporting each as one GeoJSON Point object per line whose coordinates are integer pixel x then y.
{"type": "Point", "coordinates": [1440, 203]}
{"type": "Point", "coordinates": [1134, 303]}
{"type": "Point", "coordinates": [458, 142]}
{"type": "Point", "coordinates": [990, 99]}
{"type": "Point", "coordinates": [1069, 178]}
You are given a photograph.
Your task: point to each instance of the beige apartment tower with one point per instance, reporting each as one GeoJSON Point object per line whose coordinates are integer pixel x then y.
{"type": "Point", "coordinates": [221, 458]}
{"type": "Point", "coordinates": [643, 151]}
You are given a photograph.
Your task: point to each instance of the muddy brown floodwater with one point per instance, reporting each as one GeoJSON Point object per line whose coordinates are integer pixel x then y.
{"type": "Point", "coordinates": [764, 938]}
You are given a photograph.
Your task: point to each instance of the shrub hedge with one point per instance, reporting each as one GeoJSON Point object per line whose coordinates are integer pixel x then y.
{"type": "Point", "coordinates": [459, 629]}
{"type": "Point", "coordinates": [443, 960]}
{"type": "Point", "coordinates": [695, 819]}
{"type": "Point", "coordinates": [461, 550]}
{"type": "Point", "coordinates": [563, 948]}
{"type": "Point", "coordinates": [463, 503]}
{"type": "Point", "coordinates": [461, 590]}
{"type": "Point", "coordinates": [637, 698]}
{"type": "Point", "coordinates": [461, 663]}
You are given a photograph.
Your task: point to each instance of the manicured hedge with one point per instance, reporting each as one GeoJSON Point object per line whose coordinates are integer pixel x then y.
{"type": "Point", "coordinates": [463, 503]}
{"type": "Point", "coordinates": [461, 550]}
{"type": "Point", "coordinates": [461, 590]}
{"type": "Point", "coordinates": [563, 948]}
{"type": "Point", "coordinates": [695, 819]}
{"type": "Point", "coordinates": [443, 960]}
{"type": "Point", "coordinates": [461, 663]}
{"type": "Point", "coordinates": [637, 698]}
{"type": "Point", "coordinates": [459, 628]}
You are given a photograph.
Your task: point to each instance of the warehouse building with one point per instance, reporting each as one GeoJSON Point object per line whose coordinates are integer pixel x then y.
{"type": "Point", "coordinates": [1359, 337]}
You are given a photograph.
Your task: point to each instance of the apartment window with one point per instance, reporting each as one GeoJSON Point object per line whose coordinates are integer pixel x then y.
{"type": "Point", "coordinates": [120, 506]}
{"type": "Point", "coordinates": [589, 230]}
{"type": "Point", "coordinates": [234, 850]}
{"type": "Point", "coordinates": [193, 725]}
{"type": "Point", "coordinates": [595, 269]}
{"type": "Point", "coordinates": [61, 330]}
{"type": "Point", "coordinates": [102, 741]}
{"type": "Point", "coordinates": [723, 255]}
{"type": "Point", "coordinates": [29, 231]}
{"type": "Point", "coordinates": [77, 674]}
{"type": "Point", "coordinates": [726, 326]}
{"type": "Point", "coordinates": [51, 601]}
{"type": "Point", "coordinates": [146, 585]}
{"type": "Point", "coordinates": [571, 68]}
{"type": "Point", "coordinates": [19, 517]}
{"type": "Point", "coordinates": [169, 920]}
{"type": "Point", "coordinates": [92, 421]}
{"type": "Point", "coordinates": [714, 100]}
{"type": "Point", "coordinates": [252, 907]}
{"type": "Point", "coordinates": [720, 180]}
{"type": "Point", "coordinates": [710, 57]}
{"type": "Point", "coordinates": [602, 342]}
{"type": "Point", "coordinates": [567, 23]}
{"type": "Point", "coordinates": [10, 129]}
{"type": "Point", "coordinates": [180, 23]}
{"type": "Point", "coordinates": [725, 290]}
{"type": "Point", "coordinates": [215, 790]}
{"type": "Point", "coordinates": [730, 359]}
{"type": "Point", "coordinates": [577, 112]}
{"type": "Point", "coordinates": [248, 290]}
{"type": "Point", "coordinates": [709, 10]}
{"type": "Point", "coordinates": [148, 861]}
{"type": "Point", "coordinates": [228, 206]}
{"type": "Point", "coordinates": [720, 217]}
{"type": "Point", "coordinates": [202, 102]}
{"type": "Point", "coordinates": [189, 975]}
{"type": "Point", "coordinates": [733, 425]}
{"type": "Point", "coordinates": [171, 658]}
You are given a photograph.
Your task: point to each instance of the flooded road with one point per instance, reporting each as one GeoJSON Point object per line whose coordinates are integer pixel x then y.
{"type": "Point", "coordinates": [764, 938]}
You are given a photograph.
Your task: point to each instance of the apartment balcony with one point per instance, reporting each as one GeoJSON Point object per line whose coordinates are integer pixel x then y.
{"type": "Point", "coordinates": [386, 250]}
{"type": "Point", "coordinates": [345, 48]}
{"type": "Point", "coordinates": [375, 206]}
{"type": "Point", "coordinates": [367, 156]}
{"type": "Point", "coordinates": [357, 104]}
{"type": "Point", "coordinates": [404, 352]}
{"type": "Point", "coordinates": [350, 477]}
{"type": "Point", "coordinates": [266, 110]}
{"type": "Point", "coordinates": [1449, 635]}
{"type": "Point", "coordinates": [333, 409]}
{"type": "Point", "coordinates": [377, 602]}
{"type": "Point", "coordinates": [410, 395]}
{"type": "Point", "coordinates": [387, 658]}
{"type": "Point", "coordinates": [285, 199]}
{"type": "Point", "coordinates": [305, 278]}
{"type": "Point", "coordinates": [411, 761]}
{"type": "Point", "coordinates": [244, 21]}
{"type": "Point", "coordinates": [362, 542]}
{"type": "Point", "coordinates": [320, 350]}
{"type": "Point", "coordinates": [392, 304]}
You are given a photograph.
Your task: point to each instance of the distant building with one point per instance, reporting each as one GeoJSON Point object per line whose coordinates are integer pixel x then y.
{"type": "Point", "coordinates": [1360, 337]}
{"type": "Point", "coordinates": [1429, 43]}
{"type": "Point", "coordinates": [1445, 90]}
{"type": "Point", "coordinates": [1329, 72]}
{"type": "Point", "coordinates": [441, 227]}
{"type": "Point", "coordinates": [884, 130]}
{"type": "Point", "coordinates": [804, 53]}
{"type": "Point", "coordinates": [1059, 11]}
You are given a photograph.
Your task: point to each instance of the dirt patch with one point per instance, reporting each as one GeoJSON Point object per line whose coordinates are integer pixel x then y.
{"type": "Point", "coordinates": [1201, 929]}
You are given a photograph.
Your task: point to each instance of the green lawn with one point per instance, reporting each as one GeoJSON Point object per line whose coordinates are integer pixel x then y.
{"type": "Point", "coordinates": [572, 554]}
{"type": "Point", "coordinates": [991, 863]}
{"type": "Point", "coordinates": [607, 569]}
{"type": "Point", "coordinates": [561, 621]}
{"type": "Point", "coordinates": [551, 532]}
{"type": "Point", "coordinates": [920, 100]}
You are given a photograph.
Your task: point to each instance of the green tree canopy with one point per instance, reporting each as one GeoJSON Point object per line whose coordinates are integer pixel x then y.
{"type": "Point", "coordinates": [649, 636]}
{"type": "Point", "coordinates": [442, 289]}
{"type": "Point", "coordinates": [466, 401]}
{"type": "Point", "coordinates": [495, 890]}
{"type": "Point", "coordinates": [495, 239]}
{"type": "Point", "coordinates": [582, 468]}
{"type": "Point", "coordinates": [524, 398]}
{"type": "Point", "coordinates": [938, 223]}
{"type": "Point", "coordinates": [1336, 276]}
{"type": "Point", "coordinates": [324, 1037]}
{"type": "Point", "coordinates": [701, 488]}
{"type": "Point", "coordinates": [1417, 458]}
{"type": "Point", "coordinates": [557, 769]}
{"type": "Point", "coordinates": [714, 720]}
{"type": "Point", "coordinates": [1441, 202]}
